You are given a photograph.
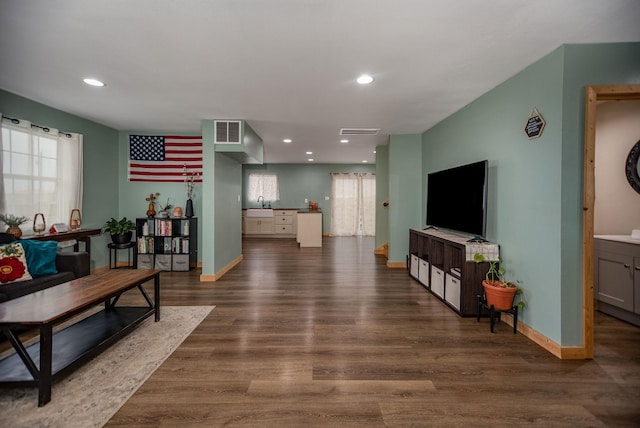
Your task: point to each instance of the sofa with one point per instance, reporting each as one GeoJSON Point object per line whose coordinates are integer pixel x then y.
{"type": "Point", "coordinates": [61, 267]}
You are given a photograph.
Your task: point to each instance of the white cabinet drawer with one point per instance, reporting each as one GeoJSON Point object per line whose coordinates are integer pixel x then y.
{"type": "Point", "coordinates": [283, 212]}
{"type": "Point", "coordinates": [283, 219]}
{"type": "Point", "coordinates": [452, 291]}
{"type": "Point", "coordinates": [415, 262]}
{"type": "Point", "coordinates": [423, 272]}
{"type": "Point", "coordinates": [437, 281]}
{"type": "Point", "coordinates": [284, 229]}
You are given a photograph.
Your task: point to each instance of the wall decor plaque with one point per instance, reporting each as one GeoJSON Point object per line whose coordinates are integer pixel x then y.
{"type": "Point", "coordinates": [535, 124]}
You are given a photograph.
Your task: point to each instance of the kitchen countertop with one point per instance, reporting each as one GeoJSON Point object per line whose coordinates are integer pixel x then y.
{"type": "Point", "coordinates": [308, 211]}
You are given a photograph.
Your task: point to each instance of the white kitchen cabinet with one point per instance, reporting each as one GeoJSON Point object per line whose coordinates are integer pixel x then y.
{"type": "Point", "coordinates": [258, 225]}
{"type": "Point", "coordinates": [284, 223]}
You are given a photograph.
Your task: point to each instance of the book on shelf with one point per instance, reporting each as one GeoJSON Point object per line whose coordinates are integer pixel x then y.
{"type": "Point", "coordinates": [180, 245]}
{"type": "Point", "coordinates": [145, 245]}
{"type": "Point", "coordinates": [163, 227]}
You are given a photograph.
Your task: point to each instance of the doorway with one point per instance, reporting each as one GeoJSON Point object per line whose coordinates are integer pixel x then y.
{"type": "Point", "coordinates": [593, 95]}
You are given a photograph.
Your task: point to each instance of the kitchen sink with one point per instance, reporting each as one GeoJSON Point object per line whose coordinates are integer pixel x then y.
{"type": "Point", "coordinates": [259, 212]}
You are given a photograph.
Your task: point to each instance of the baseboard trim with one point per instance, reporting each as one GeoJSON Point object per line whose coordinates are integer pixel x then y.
{"type": "Point", "coordinates": [221, 272]}
{"type": "Point", "coordinates": [396, 265]}
{"type": "Point", "coordinates": [559, 351]}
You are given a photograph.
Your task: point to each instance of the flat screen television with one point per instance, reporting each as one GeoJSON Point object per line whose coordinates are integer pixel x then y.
{"type": "Point", "coordinates": [457, 199]}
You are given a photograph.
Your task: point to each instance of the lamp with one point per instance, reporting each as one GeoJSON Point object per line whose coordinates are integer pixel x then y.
{"type": "Point", "coordinates": [75, 219]}
{"type": "Point", "coordinates": [39, 226]}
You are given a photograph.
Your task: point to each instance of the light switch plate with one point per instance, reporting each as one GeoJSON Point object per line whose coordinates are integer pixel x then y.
{"type": "Point", "coordinates": [326, 198]}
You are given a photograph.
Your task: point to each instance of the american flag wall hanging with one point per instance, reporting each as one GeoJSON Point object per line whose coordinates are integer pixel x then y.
{"type": "Point", "coordinates": [163, 158]}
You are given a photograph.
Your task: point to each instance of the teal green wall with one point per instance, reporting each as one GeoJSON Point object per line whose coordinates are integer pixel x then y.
{"type": "Point", "coordinates": [133, 194]}
{"type": "Point", "coordinates": [300, 181]}
{"type": "Point", "coordinates": [253, 144]}
{"type": "Point", "coordinates": [535, 186]}
{"type": "Point", "coordinates": [524, 195]}
{"type": "Point", "coordinates": [207, 220]}
{"type": "Point", "coordinates": [405, 191]}
{"type": "Point", "coordinates": [584, 65]}
{"type": "Point", "coordinates": [382, 193]}
{"type": "Point", "coordinates": [228, 219]}
{"type": "Point", "coordinates": [100, 163]}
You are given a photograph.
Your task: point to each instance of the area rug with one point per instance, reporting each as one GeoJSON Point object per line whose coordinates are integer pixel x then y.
{"type": "Point", "coordinates": [92, 394]}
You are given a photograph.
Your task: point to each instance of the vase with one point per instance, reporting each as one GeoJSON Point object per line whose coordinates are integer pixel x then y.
{"type": "Point", "coordinates": [188, 211]}
{"type": "Point", "coordinates": [151, 212]}
{"type": "Point", "coordinates": [15, 231]}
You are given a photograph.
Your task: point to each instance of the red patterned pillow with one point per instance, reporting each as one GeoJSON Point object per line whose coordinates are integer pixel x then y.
{"type": "Point", "coordinates": [13, 264]}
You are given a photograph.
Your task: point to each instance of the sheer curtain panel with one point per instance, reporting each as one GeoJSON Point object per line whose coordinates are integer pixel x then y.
{"type": "Point", "coordinates": [41, 170]}
{"type": "Point", "coordinates": [265, 185]}
{"type": "Point", "coordinates": [353, 211]}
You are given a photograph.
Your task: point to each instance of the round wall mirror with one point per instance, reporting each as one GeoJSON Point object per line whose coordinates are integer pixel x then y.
{"type": "Point", "coordinates": [632, 167]}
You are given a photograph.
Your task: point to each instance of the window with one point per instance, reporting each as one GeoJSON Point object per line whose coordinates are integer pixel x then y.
{"type": "Point", "coordinates": [41, 171]}
{"type": "Point", "coordinates": [265, 185]}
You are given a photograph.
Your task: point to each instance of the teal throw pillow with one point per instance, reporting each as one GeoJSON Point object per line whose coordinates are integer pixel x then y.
{"type": "Point", "coordinates": [41, 256]}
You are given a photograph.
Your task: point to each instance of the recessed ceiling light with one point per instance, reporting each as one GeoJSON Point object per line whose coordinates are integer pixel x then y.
{"type": "Point", "coordinates": [309, 153]}
{"type": "Point", "coordinates": [310, 159]}
{"type": "Point", "coordinates": [364, 79]}
{"type": "Point", "coordinates": [287, 140]}
{"type": "Point", "coordinates": [365, 161]}
{"type": "Point", "coordinates": [344, 141]}
{"type": "Point", "coordinates": [93, 82]}
{"type": "Point", "coordinates": [375, 151]}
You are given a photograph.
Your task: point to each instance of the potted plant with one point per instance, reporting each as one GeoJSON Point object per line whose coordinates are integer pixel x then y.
{"type": "Point", "coordinates": [164, 209]}
{"type": "Point", "coordinates": [498, 291]}
{"type": "Point", "coordinates": [121, 230]}
{"type": "Point", "coordinates": [13, 222]}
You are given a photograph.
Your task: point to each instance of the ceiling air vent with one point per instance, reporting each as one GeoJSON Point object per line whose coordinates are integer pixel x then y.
{"type": "Point", "coordinates": [227, 131]}
{"type": "Point", "coordinates": [359, 131]}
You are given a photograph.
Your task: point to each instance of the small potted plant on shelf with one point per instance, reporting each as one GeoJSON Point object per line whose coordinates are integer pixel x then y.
{"type": "Point", "coordinates": [121, 230]}
{"type": "Point", "coordinates": [164, 209]}
{"type": "Point", "coordinates": [498, 291]}
{"type": "Point", "coordinates": [13, 222]}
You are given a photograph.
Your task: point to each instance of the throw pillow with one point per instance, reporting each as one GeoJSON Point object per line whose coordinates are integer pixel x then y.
{"type": "Point", "coordinates": [13, 264]}
{"type": "Point", "coordinates": [41, 256]}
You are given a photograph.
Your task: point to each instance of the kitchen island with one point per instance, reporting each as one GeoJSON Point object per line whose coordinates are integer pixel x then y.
{"type": "Point", "coordinates": [309, 232]}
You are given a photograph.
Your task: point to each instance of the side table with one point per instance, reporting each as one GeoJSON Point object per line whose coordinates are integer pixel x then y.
{"type": "Point", "coordinates": [113, 255]}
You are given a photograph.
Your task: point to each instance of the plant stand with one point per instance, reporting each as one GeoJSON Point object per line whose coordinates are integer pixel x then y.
{"type": "Point", "coordinates": [482, 304]}
{"type": "Point", "coordinates": [113, 250]}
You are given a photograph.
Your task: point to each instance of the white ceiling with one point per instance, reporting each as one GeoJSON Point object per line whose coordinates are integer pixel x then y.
{"type": "Point", "coordinates": [287, 66]}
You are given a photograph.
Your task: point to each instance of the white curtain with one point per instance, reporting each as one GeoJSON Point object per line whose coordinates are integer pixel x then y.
{"type": "Point", "coordinates": [353, 208]}
{"type": "Point", "coordinates": [265, 185]}
{"type": "Point", "coordinates": [42, 171]}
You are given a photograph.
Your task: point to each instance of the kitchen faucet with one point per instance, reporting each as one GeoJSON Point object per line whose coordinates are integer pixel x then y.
{"type": "Point", "coordinates": [262, 200]}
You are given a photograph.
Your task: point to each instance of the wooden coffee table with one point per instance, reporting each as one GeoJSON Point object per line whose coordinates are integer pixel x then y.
{"type": "Point", "coordinates": [55, 355]}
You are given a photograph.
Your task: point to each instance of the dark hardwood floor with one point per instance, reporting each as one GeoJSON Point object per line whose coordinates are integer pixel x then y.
{"type": "Point", "coordinates": [331, 337]}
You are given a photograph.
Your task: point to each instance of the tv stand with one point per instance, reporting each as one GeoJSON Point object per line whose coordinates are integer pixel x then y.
{"type": "Point", "coordinates": [443, 263]}
{"type": "Point", "coordinates": [430, 227]}
{"type": "Point", "coordinates": [477, 239]}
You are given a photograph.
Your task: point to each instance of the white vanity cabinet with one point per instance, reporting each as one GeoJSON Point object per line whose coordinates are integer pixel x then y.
{"type": "Point", "coordinates": [616, 278]}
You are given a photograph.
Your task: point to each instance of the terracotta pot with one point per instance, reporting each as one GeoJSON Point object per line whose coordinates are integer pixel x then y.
{"type": "Point", "coordinates": [500, 297]}
{"type": "Point", "coordinates": [15, 231]}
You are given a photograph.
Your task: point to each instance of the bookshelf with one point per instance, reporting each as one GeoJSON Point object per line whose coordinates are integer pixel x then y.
{"type": "Point", "coordinates": [167, 243]}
